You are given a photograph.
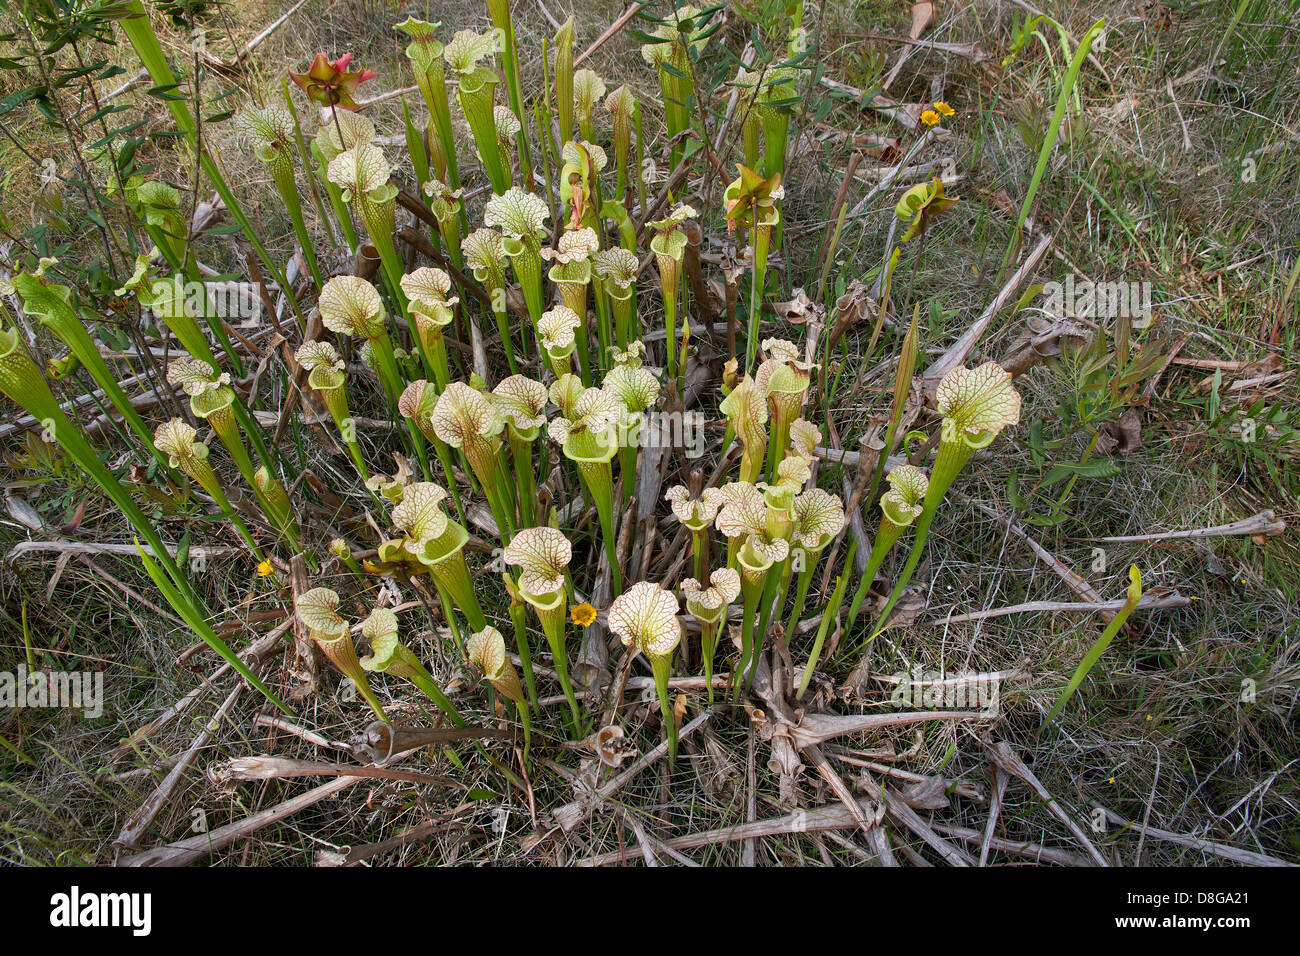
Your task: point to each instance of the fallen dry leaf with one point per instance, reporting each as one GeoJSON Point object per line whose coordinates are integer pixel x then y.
{"type": "Point", "coordinates": [923, 15]}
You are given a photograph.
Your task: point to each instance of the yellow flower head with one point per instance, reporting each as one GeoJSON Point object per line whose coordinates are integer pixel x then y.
{"type": "Point", "coordinates": [929, 117]}
{"type": "Point", "coordinates": [583, 614]}
{"type": "Point", "coordinates": [264, 569]}
{"type": "Point", "coordinates": [944, 108]}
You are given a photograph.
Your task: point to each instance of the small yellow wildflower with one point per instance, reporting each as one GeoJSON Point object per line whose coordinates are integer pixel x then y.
{"type": "Point", "coordinates": [264, 569]}
{"type": "Point", "coordinates": [929, 117]}
{"type": "Point", "coordinates": [944, 108]}
{"type": "Point", "coordinates": [583, 614]}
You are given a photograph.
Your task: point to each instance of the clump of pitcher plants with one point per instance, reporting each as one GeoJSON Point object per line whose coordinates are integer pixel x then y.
{"type": "Point", "coordinates": [529, 317]}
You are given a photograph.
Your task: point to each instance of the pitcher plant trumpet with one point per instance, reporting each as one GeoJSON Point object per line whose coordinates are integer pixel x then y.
{"type": "Point", "coordinates": [669, 246]}
{"type": "Point", "coordinates": [486, 649]}
{"type": "Point", "coordinates": [900, 506]}
{"type": "Point", "coordinates": [543, 555]}
{"type": "Point", "coordinates": [590, 440]}
{"type": "Point", "coordinates": [430, 542]}
{"type": "Point", "coordinates": [177, 440]}
{"type": "Point", "coordinates": [327, 379]}
{"type": "Point", "coordinates": [521, 217]}
{"type": "Point", "coordinates": [318, 611]}
{"type": "Point", "coordinates": [388, 655]}
{"type": "Point", "coordinates": [645, 619]}
{"type": "Point", "coordinates": [485, 254]}
{"type": "Point", "coordinates": [976, 405]}
{"type": "Point", "coordinates": [521, 402]}
{"type": "Point", "coordinates": [476, 88]}
{"type": "Point", "coordinates": [709, 606]}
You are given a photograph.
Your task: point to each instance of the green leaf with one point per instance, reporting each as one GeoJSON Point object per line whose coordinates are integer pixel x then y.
{"type": "Point", "coordinates": [166, 93]}
{"type": "Point", "coordinates": [1014, 497]}
{"type": "Point", "coordinates": [1036, 443]}
{"type": "Point", "coordinates": [1097, 468]}
{"type": "Point", "coordinates": [1047, 521]}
